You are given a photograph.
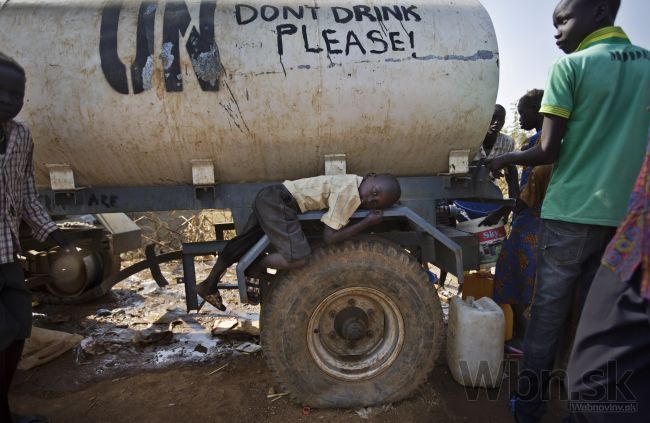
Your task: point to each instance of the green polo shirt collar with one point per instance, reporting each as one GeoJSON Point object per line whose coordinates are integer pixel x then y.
{"type": "Point", "coordinates": [608, 33]}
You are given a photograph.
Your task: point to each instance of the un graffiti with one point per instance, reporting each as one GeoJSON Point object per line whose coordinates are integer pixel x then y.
{"type": "Point", "coordinates": [201, 47]}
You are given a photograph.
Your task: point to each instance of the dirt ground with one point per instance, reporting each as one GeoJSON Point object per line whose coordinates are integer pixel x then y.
{"type": "Point", "coordinates": [143, 359]}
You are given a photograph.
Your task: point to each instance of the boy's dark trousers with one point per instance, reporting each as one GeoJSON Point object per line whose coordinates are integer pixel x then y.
{"type": "Point", "coordinates": [609, 371]}
{"type": "Point", "coordinates": [275, 213]}
{"type": "Point", "coordinates": [569, 256]}
{"type": "Point", "coordinates": [15, 325]}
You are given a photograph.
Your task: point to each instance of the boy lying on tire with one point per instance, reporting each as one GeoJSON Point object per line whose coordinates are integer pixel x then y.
{"type": "Point", "coordinates": [275, 213]}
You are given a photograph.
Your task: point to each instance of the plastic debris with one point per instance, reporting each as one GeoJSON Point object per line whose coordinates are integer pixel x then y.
{"type": "Point", "coordinates": [223, 325]}
{"type": "Point", "coordinates": [150, 287]}
{"type": "Point", "coordinates": [248, 347]}
{"type": "Point", "coordinates": [367, 412]}
{"type": "Point", "coordinates": [45, 345]}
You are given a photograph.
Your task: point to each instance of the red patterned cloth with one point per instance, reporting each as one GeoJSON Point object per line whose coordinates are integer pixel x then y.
{"type": "Point", "coordinates": [630, 247]}
{"type": "Point", "coordinates": [18, 197]}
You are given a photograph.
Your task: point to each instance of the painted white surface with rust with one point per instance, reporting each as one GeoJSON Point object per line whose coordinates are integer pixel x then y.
{"type": "Point", "coordinates": [273, 116]}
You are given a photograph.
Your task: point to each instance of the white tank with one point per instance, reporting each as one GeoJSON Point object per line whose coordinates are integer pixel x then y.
{"type": "Point", "coordinates": [475, 336]}
{"type": "Point", "coordinates": [129, 94]}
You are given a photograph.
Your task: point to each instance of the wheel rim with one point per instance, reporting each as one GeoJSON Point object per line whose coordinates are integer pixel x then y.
{"type": "Point", "coordinates": [355, 334]}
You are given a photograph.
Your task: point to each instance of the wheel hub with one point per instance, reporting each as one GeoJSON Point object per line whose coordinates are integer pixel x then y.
{"type": "Point", "coordinates": [351, 323]}
{"type": "Point", "coordinates": [355, 333]}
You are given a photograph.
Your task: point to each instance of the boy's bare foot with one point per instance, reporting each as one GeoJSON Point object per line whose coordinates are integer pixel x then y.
{"type": "Point", "coordinates": [210, 295]}
{"type": "Point", "coordinates": [209, 288]}
{"type": "Point", "coordinates": [215, 300]}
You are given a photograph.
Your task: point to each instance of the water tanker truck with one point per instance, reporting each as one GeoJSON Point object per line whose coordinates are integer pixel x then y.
{"type": "Point", "coordinates": [163, 105]}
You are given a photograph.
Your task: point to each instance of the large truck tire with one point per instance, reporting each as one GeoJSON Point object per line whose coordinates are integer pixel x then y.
{"type": "Point", "coordinates": [359, 325]}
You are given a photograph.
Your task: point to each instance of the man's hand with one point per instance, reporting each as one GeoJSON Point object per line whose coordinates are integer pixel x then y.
{"type": "Point", "coordinates": [59, 237]}
{"type": "Point", "coordinates": [497, 163]}
{"type": "Point", "coordinates": [494, 217]}
{"type": "Point", "coordinates": [331, 236]}
{"type": "Point", "coordinates": [66, 245]}
{"type": "Point", "coordinates": [374, 217]}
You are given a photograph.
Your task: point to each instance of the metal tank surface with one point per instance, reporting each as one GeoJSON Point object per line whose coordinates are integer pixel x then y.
{"type": "Point", "coordinates": [154, 105]}
{"type": "Point", "coordinates": [130, 93]}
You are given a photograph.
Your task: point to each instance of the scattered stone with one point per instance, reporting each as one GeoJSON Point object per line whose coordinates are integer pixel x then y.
{"type": "Point", "coordinates": [201, 349]}
{"type": "Point", "coordinates": [103, 312]}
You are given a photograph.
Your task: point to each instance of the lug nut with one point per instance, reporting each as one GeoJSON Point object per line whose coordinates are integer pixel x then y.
{"type": "Point", "coordinates": [332, 314]}
{"type": "Point", "coordinates": [351, 301]}
{"type": "Point", "coordinates": [369, 334]}
{"type": "Point", "coordinates": [332, 334]}
{"type": "Point", "coordinates": [371, 312]}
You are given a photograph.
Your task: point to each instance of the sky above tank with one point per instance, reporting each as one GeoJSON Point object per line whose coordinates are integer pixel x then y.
{"type": "Point", "coordinates": [526, 45]}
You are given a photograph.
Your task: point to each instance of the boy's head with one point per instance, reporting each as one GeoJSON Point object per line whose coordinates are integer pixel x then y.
{"type": "Point", "coordinates": [12, 88]}
{"type": "Point", "coordinates": [379, 191]}
{"type": "Point", "coordinates": [498, 119]}
{"type": "Point", "coordinates": [576, 19]}
{"type": "Point", "coordinates": [528, 108]}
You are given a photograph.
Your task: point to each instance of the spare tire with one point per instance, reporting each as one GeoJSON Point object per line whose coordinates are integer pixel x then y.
{"type": "Point", "coordinates": [359, 325]}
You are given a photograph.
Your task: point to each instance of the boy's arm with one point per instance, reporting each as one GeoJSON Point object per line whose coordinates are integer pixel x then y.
{"type": "Point", "coordinates": [333, 236]}
{"type": "Point", "coordinates": [546, 152]}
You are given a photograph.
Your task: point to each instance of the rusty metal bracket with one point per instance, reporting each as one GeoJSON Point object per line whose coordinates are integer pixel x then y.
{"type": "Point", "coordinates": [154, 266]}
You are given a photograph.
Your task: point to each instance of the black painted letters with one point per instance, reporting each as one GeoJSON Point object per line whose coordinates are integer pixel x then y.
{"type": "Point", "coordinates": [201, 47]}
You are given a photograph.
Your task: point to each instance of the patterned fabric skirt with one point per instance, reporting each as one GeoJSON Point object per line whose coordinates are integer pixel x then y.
{"type": "Point", "coordinates": [516, 267]}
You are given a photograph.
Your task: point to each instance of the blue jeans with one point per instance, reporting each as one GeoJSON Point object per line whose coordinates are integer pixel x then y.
{"type": "Point", "coordinates": [569, 256]}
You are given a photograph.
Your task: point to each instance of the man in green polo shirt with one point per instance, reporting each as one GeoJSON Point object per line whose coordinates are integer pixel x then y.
{"type": "Point", "coordinates": [594, 132]}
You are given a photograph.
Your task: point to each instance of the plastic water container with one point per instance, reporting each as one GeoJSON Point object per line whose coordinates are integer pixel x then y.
{"type": "Point", "coordinates": [490, 239]}
{"type": "Point", "coordinates": [481, 284]}
{"type": "Point", "coordinates": [476, 210]}
{"type": "Point", "coordinates": [475, 336]}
